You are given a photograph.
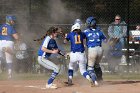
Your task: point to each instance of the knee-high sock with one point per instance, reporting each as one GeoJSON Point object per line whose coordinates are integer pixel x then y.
{"type": "Point", "coordinates": [51, 79]}
{"type": "Point", "coordinates": [92, 73]}
{"type": "Point", "coordinates": [70, 73]}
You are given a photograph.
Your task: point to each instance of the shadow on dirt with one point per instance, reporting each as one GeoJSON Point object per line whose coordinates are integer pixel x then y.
{"type": "Point", "coordinates": [120, 82]}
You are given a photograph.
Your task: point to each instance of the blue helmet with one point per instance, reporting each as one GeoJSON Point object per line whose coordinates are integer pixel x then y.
{"type": "Point", "coordinates": [90, 21]}
{"type": "Point", "coordinates": [10, 18]}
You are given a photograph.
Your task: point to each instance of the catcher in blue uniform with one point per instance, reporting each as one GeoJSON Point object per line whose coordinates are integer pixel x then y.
{"type": "Point", "coordinates": [94, 38]}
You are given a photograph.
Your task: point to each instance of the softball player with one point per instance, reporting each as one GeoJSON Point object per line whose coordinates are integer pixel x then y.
{"type": "Point", "coordinates": [94, 37]}
{"type": "Point", "coordinates": [7, 36]}
{"type": "Point", "coordinates": [77, 54]}
{"type": "Point", "coordinates": [76, 67]}
{"type": "Point", "coordinates": [47, 48]}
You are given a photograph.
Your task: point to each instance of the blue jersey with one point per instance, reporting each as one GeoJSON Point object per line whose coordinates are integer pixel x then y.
{"type": "Point", "coordinates": [76, 41]}
{"type": "Point", "coordinates": [48, 43]}
{"type": "Point", "coordinates": [6, 32]}
{"type": "Point", "coordinates": [94, 37]}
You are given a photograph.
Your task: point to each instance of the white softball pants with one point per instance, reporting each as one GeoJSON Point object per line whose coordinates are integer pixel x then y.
{"type": "Point", "coordinates": [80, 58]}
{"type": "Point", "coordinates": [9, 44]}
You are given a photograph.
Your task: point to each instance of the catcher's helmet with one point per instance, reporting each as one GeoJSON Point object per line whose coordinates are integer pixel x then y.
{"type": "Point", "coordinates": [75, 26]}
{"type": "Point", "coordinates": [90, 21]}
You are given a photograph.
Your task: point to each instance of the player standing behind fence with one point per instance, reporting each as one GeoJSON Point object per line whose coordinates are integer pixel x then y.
{"type": "Point", "coordinates": [77, 54]}
{"type": "Point", "coordinates": [94, 38]}
{"type": "Point", "coordinates": [7, 36]}
{"type": "Point", "coordinates": [47, 48]}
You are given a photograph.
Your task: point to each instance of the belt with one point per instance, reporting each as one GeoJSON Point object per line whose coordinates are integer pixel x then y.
{"type": "Point", "coordinates": [94, 46]}
{"type": "Point", "coordinates": [5, 40]}
{"type": "Point", "coordinates": [77, 51]}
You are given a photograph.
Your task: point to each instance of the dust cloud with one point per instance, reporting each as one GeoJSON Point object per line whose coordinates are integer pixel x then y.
{"type": "Point", "coordinates": [33, 18]}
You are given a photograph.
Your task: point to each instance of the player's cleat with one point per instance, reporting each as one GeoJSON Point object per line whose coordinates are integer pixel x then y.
{"type": "Point", "coordinates": [91, 82]}
{"type": "Point", "coordinates": [96, 83]}
{"type": "Point", "coordinates": [70, 82]}
{"type": "Point", "coordinates": [54, 84]}
{"type": "Point", "coordinates": [51, 86]}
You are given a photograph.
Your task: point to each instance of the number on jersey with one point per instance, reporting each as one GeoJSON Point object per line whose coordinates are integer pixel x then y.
{"type": "Point", "coordinates": [4, 31]}
{"type": "Point", "coordinates": [77, 39]}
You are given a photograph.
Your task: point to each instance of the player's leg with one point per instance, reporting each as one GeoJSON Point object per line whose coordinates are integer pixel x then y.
{"type": "Point", "coordinates": [49, 65]}
{"type": "Point", "coordinates": [1, 61]}
{"type": "Point", "coordinates": [72, 64]}
{"type": "Point", "coordinates": [92, 53]}
{"type": "Point", "coordinates": [82, 66]}
{"type": "Point", "coordinates": [1, 57]}
{"type": "Point", "coordinates": [9, 60]}
{"type": "Point", "coordinates": [9, 46]}
{"type": "Point", "coordinates": [75, 69]}
{"type": "Point", "coordinates": [71, 71]}
{"type": "Point", "coordinates": [97, 68]}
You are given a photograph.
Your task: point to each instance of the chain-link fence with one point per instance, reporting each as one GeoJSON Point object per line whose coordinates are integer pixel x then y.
{"type": "Point", "coordinates": [35, 16]}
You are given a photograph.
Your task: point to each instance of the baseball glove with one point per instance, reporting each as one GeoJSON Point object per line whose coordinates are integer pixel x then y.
{"type": "Point", "coordinates": [113, 41]}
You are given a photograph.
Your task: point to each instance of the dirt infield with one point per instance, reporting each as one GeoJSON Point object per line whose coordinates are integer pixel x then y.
{"type": "Point", "coordinates": [80, 86]}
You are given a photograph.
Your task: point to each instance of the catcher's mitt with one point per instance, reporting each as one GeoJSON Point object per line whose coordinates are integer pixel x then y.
{"type": "Point", "coordinates": [113, 41]}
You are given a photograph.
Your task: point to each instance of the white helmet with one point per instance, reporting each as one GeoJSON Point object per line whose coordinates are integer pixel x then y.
{"type": "Point", "coordinates": [75, 26]}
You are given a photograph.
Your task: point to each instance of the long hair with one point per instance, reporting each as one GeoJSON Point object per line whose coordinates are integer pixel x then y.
{"type": "Point", "coordinates": [50, 31]}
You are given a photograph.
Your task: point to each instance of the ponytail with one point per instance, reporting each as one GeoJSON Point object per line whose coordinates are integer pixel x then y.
{"type": "Point", "coordinates": [49, 32]}
{"type": "Point", "coordinates": [40, 38]}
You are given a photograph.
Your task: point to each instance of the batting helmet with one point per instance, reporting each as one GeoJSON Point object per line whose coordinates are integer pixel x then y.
{"type": "Point", "coordinates": [10, 18]}
{"type": "Point", "coordinates": [78, 21]}
{"type": "Point", "coordinates": [75, 26]}
{"type": "Point", "coordinates": [90, 21]}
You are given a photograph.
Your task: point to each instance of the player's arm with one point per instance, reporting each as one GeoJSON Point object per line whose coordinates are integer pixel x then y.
{"type": "Point", "coordinates": [84, 39]}
{"type": "Point", "coordinates": [103, 37]}
{"type": "Point", "coordinates": [16, 37]}
{"type": "Point", "coordinates": [14, 33]}
{"type": "Point", "coordinates": [67, 36]}
{"type": "Point", "coordinates": [45, 45]}
{"type": "Point", "coordinates": [54, 51]}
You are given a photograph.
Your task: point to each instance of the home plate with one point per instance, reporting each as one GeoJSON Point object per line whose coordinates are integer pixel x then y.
{"type": "Point", "coordinates": [35, 87]}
